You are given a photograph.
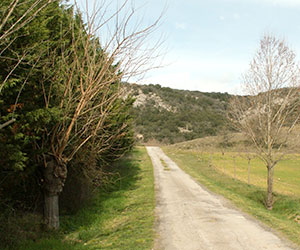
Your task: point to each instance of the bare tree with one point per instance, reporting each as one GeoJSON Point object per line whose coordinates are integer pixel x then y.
{"type": "Point", "coordinates": [270, 110]}
{"type": "Point", "coordinates": [111, 49]}
{"type": "Point", "coordinates": [8, 29]}
{"type": "Point", "coordinates": [246, 154]}
{"type": "Point", "coordinates": [26, 17]}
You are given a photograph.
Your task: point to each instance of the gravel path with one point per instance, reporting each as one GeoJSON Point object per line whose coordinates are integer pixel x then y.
{"type": "Point", "coordinates": [191, 218]}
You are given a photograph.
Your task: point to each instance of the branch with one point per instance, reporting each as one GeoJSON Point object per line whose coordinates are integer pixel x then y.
{"type": "Point", "coordinates": [7, 123]}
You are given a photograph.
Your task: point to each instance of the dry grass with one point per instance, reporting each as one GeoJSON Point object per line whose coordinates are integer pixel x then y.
{"type": "Point", "coordinates": [234, 142]}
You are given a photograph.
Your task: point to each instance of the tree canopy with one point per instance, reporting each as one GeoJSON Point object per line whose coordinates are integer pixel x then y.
{"type": "Point", "coordinates": [62, 90]}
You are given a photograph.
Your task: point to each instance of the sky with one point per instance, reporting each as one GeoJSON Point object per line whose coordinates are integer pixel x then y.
{"type": "Point", "coordinates": [210, 43]}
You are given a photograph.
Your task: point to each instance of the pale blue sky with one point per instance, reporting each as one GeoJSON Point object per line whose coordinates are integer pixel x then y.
{"type": "Point", "coordinates": [211, 42]}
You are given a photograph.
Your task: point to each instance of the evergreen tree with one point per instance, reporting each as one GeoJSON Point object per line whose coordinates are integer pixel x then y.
{"type": "Point", "coordinates": [64, 95]}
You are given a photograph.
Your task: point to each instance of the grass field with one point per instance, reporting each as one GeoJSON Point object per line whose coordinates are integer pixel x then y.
{"type": "Point", "coordinates": [235, 165]}
{"type": "Point", "coordinates": [216, 172]}
{"type": "Point", "coordinates": [119, 219]}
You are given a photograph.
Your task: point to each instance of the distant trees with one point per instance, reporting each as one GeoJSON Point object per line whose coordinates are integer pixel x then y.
{"type": "Point", "coordinates": [191, 114]}
{"type": "Point", "coordinates": [270, 110]}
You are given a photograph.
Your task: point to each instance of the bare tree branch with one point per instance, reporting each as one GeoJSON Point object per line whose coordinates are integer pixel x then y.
{"type": "Point", "coordinates": [26, 17]}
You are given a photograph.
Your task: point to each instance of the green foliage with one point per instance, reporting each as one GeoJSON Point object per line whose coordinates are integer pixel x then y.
{"type": "Point", "coordinates": [31, 61]}
{"type": "Point", "coordinates": [193, 114]}
{"type": "Point", "coordinates": [22, 97]}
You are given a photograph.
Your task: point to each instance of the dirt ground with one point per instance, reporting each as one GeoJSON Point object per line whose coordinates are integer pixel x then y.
{"type": "Point", "coordinates": [191, 218]}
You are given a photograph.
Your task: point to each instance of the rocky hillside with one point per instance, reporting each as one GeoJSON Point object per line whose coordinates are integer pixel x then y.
{"type": "Point", "coordinates": [168, 115]}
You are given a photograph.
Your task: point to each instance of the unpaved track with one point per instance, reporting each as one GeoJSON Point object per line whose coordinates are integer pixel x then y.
{"type": "Point", "coordinates": [190, 218]}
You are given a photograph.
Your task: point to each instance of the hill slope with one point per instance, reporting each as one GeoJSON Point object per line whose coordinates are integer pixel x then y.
{"type": "Point", "coordinates": [168, 115]}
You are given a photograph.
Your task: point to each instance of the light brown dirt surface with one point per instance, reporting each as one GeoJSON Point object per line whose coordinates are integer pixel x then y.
{"type": "Point", "coordinates": [190, 218]}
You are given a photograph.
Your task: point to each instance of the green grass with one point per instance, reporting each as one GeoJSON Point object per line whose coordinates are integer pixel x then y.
{"type": "Point", "coordinates": [166, 168]}
{"type": "Point", "coordinates": [121, 218]}
{"type": "Point", "coordinates": [285, 216]}
{"type": "Point", "coordinates": [235, 165]}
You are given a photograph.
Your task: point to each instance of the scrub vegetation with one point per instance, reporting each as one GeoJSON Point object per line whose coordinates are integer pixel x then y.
{"type": "Point", "coordinates": [165, 116]}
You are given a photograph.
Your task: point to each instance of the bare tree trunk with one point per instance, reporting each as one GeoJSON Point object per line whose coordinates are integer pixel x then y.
{"type": "Point", "coordinates": [249, 160]}
{"type": "Point", "coordinates": [223, 157]}
{"type": "Point", "coordinates": [210, 161]}
{"type": "Point", "coordinates": [270, 188]}
{"type": "Point", "coordinates": [54, 176]}
{"type": "Point", "coordinates": [234, 164]}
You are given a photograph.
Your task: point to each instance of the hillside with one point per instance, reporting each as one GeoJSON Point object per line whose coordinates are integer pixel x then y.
{"type": "Point", "coordinates": [168, 115]}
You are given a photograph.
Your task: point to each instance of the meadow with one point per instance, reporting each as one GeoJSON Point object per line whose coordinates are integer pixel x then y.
{"type": "Point", "coordinates": [248, 168]}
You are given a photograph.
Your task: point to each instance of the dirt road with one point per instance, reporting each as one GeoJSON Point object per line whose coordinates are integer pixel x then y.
{"type": "Point", "coordinates": [190, 218]}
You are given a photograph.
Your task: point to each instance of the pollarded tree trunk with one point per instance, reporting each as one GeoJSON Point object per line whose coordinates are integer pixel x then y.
{"type": "Point", "coordinates": [51, 211]}
{"type": "Point", "coordinates": [270, 187]}
{"type": "Point", "coordinates": [55, 175]}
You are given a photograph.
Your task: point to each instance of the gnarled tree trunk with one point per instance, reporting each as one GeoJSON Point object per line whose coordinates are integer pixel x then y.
{"type": "Point", "coordinates": [55, 174]}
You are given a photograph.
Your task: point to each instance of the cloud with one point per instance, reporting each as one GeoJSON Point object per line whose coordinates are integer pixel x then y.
{"type": "Point", "coordinates": [236, 16]}
{"type": "Point", "coordinates": [282, 3]}
{"type": "Point", "coordinates": [202, 75]}
{"type": "Point", "coordinates": [181, 26]}
{"type": "Point", "coordinates": [221, 18]}
{"type": "Point", "coordinates": [186, 81]}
